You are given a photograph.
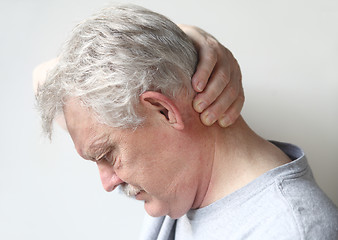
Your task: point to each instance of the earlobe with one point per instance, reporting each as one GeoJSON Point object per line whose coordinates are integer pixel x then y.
{"type": "Point", "coordinates": [162, 106]}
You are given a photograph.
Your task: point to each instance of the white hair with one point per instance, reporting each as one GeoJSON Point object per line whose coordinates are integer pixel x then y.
{"type": "Point", "coordinates": [112, 58]}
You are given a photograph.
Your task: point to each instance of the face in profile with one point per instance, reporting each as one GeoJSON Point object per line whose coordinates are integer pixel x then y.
{"type": "Point", "coordinates": [154, 163]}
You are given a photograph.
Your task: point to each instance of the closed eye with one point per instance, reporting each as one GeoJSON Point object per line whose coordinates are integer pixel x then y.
{"type": "Point", "coordinates": [101, 157]}
{"type": "Point", "coordinates": [107, 156]}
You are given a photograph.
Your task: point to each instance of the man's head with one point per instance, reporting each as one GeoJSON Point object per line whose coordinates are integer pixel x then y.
{"type": "Point", "coordinates": [123, 83]}
{"type": "Point", "coordinates": [163, 162]}
{"type": "Point", "coordinates": [112, 58]}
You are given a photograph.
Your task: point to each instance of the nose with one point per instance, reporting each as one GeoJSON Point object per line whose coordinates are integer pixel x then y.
{"type": "Point", "coordinates": [108, 176]}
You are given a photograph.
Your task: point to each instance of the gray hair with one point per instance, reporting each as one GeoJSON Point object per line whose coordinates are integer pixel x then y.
{"type": "Point", "coordinates": [111, 59]}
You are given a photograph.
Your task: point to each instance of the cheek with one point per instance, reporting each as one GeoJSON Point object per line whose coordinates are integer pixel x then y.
{"type": "Point", "coordinates": [132, 167]}
{"type": "Point", "coordinates": [155, 162]}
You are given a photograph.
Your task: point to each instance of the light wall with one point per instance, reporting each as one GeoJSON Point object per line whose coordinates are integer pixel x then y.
{"type": "Point", "coordinates": [288, 52]}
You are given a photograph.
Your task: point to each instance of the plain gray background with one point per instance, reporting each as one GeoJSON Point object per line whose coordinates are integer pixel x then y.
{"type": "Point", "coordinates": [288, 52]}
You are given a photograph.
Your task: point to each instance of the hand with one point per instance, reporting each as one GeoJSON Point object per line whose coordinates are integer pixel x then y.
{"type": "Point", "coordinates": [218, 80]}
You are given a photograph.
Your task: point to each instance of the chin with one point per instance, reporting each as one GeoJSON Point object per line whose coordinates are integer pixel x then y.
{"type": "Point", "coordinates": [155, 210]}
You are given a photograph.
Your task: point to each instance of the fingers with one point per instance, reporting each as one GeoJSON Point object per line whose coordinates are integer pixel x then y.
{"type": "Point", "coordinates": [217, 82]}
{"type": "Point", "coordinates": [232, 113]}
{"type": "Point", "coordinates": [207, 47]}
{"type": "Point", "coordinates": [206, 64]}
{"type": "Point", "coordinates": [222, 103]}
{"type": "Point", "coordinates": [223, 97]}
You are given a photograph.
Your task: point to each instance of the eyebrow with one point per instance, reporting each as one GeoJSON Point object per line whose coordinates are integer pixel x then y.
{"type": "Point", "coordinates": [97, 147]}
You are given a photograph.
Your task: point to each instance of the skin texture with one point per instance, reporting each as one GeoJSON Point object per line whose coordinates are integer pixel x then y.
{"type": "Point", "coordinates": [158, 166]}
{"type": "Point", "coordinates": [174, 162]}
{"type": "Point", "coordinates": [181, 164]}
{"type": "Point", "coordinates": [217, 80]}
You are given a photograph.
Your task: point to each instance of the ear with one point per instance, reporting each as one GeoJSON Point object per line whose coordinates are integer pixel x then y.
{"type": "Point", "coordinates": [163, 107]}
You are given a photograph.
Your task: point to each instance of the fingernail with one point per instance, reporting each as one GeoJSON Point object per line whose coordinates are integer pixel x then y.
{"type": "Point", "coordinates": [201, 106]}
{"type": "Point", "coordinates": [200, 86]}
{"type": "Point", "coordinates": [210, 119]}
{"type": "Point", "coordinates": [224, 122]}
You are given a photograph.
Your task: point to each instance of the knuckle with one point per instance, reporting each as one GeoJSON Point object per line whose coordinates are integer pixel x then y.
{"type": "Point", "coordinates": [232, 92]}
{"type": "Point", "coordinates": [214, 111]}
{"type": "Point", "coordinates": [211, 94]}
{"type": "Point", "coordinates": [241, 98]}
{"type": "Point", "coordinates": [217, 109]}
{"type": "Point", "coordinates": [211, 55]}
{"type": "Point", "coordinates": [223, 77]}
{"type": "Point", "coordinates": [237, 71]}
{"type": "Point", "coordinates": [212, 42]}
{"type": "Point", "coordinates": [203, 97]}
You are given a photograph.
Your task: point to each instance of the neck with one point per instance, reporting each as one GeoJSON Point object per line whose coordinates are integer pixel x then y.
{"type": "Point", "coordinates": [240, 156]}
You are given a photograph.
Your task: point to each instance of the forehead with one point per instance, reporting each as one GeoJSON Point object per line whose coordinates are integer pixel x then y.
{"type": "Point", "coordinates": [82, 126]}
{"type": "Point", "coordinates": [90, 136]}
{"type": "Point", "coordinates": [77, 116]}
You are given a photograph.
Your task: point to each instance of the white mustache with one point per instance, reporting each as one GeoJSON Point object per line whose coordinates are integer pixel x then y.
{"type": "Point", "coordinates": [129, 190]}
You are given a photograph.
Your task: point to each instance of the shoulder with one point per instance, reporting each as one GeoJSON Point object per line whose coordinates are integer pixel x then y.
{"type": "Point", "coordinates": [314, 214]}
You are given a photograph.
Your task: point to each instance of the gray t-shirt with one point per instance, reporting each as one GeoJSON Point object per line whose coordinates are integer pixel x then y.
{"type": "Point", "coordinates": [283, 203]}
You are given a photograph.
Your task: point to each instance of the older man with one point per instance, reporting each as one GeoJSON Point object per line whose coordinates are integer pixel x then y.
{"type": "Point", "coordinates": [123, 85]}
